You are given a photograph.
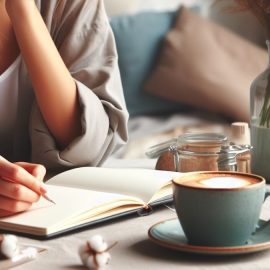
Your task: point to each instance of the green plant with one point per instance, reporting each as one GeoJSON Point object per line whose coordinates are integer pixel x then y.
{"type": "Point", "coordinates": [265, 112]}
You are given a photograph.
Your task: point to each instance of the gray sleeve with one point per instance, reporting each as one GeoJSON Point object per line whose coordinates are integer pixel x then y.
{"type": "Point", "coordinates": [88, 49]}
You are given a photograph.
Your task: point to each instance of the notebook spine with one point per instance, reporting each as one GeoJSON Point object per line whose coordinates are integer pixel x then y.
{"type": "Point", "coordinates": [145, 211]}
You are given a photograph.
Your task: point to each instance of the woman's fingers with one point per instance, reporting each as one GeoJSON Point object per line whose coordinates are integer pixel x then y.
{"type": "Point", "coordinates": [15, 173]}
{"type": "Point", "coordinates": [37, 170]}
{"type": "Point", "coordinates": [17, 192]}
{"type": "Point", "coordinates": [4, 213]}
{"type": "Point", "coordinates": [13, 206]}
{"type": "Point", "coordinates": [20, 186]}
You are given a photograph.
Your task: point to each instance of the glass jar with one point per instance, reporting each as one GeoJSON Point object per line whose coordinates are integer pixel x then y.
{"type": "Point", "coordinates": [198, 152]}
{"type": "Point", "coordinates": [260, 123]}
{"type": "Point", "coordinates": [201, 152]}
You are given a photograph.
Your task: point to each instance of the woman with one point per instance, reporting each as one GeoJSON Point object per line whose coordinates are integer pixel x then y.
{"type": "Point", "coordinates": [58, 72]}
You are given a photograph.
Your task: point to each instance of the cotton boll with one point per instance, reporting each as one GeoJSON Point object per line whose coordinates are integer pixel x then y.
{"type": "Point", "coordinates": [9, 246]}
{"type": "Point", "coordinates": [93, 260]}
{"type": "Point", "coordinates": [90, 262]}
{"type": "Point", "coordinates": [103, 258]}
{"type": "Point", "coordinates": [30, 252]}
{"type": "Point", "coordinates": [97, 261]}
{"type": "Point", "coordinates": [97, 243]}
{"type": "Point", "coordinates": [94, 253]}
{"type": "Point", "coordinates": [84, 254]}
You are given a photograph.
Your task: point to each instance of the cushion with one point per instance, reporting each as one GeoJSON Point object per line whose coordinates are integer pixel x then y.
{"type": "Point", "coordinates": [205, 65]}
{"type": "Point", "coordinates": [138, 40]}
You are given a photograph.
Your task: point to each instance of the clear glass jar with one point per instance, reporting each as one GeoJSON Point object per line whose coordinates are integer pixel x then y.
{"type": "Point", "coordinates": [260, 123]}
{"type": "Point", "coordinates": [201, 152]}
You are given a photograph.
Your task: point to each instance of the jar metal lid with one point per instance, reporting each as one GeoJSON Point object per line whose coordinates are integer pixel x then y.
{"type": "Point", "coordinates": [175, 144]}
{"type": "Point", "coordinates": [209, 138]}
{"type": "Point", "coordinates": [156, 150]}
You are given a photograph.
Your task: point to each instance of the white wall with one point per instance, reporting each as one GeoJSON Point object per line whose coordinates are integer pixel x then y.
{"type": "Point", "coordinates": [117, 7]}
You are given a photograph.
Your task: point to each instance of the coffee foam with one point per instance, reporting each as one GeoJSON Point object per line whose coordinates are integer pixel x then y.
{"type": "Point", "coordinates": [219, 181]}
{"type": "Point", "coordinates": [225, 182]}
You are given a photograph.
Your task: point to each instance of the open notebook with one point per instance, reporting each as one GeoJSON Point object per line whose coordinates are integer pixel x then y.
{"type": "Point", "coordinates": [88, 195]}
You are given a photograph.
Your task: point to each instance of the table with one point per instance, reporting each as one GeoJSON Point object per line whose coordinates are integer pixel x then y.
{"type": "Point", "coordinates": [135, 251]}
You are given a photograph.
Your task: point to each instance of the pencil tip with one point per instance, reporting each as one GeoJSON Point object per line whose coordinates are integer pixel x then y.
{"type": "Point", "coordinates": [48, 199]}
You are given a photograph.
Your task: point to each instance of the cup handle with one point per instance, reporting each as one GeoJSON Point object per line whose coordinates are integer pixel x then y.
{"type": "Point", "coordinates": [262, 223]}
{"type": "Point", "coordinates": [267, 192]}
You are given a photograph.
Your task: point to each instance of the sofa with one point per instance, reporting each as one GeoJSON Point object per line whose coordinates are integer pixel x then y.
{"type": "Point", "coordinates": [186, 66]}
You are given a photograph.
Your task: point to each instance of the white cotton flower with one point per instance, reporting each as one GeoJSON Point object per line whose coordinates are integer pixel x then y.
{"type": "Point", "coordinates": [94, 253]}
{"type": "Point", "coordinates": [97, 261]}
{"type": "Point", "coordinates": [97, 243]}
{"type": "Point", "coordinates": [90, 262]}
{"type": "Point", "coordinates": [84, 254]}
{"type": "Point", "coordinates": [9, 245]}
{"type": "Point", "coordinates": [30, 253]}
{"type": "Point", "coordinates": [103, 259]}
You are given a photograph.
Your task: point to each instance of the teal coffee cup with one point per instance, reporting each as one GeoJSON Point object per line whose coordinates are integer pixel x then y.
{"type": "Point", "coordinates": [218, 208]}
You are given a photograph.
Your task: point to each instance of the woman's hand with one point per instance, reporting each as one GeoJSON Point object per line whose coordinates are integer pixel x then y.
{"type": "Point", "coordinates": [20, 186]}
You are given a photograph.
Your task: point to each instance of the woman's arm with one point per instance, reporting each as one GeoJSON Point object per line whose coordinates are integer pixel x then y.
{"type": "Point", "coordinates": [54, 87]}
{"type": "Point", "coordinates": [84, 38]}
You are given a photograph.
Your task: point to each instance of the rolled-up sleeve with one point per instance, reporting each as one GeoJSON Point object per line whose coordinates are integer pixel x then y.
{"type": "Point", "coordinates": [88, 49]}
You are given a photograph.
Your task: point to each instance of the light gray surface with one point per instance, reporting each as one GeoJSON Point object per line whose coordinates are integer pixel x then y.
{"type": "Point", "coordinates": [135, 251]}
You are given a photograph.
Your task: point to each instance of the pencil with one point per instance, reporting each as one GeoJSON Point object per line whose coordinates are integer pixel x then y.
{"type": "Point", "coordinates": [46, 197]}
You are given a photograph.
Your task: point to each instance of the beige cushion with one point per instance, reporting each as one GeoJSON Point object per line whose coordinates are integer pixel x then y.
{"type": "Point", "coordinates": [207, 66]}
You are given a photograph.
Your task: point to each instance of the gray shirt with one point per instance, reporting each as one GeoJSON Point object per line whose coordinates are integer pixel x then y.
{"type": "Point", "coordinates": [83, 36]}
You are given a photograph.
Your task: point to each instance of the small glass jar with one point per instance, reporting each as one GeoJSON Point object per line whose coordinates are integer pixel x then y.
{"type": "Point", "coordinates": [198, 152]}
{"type": "Point", "coordinates": [201, 152]}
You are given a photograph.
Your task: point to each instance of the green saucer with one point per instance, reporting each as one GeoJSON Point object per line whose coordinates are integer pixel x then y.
{"type": "Point", "coordinates": [169, 233]}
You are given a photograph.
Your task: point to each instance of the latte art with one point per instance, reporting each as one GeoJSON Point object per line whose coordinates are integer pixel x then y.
{"type": "Point", "coordinates": [225, 182]}
{"type": "Point", "coordinates": [219, 181]}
